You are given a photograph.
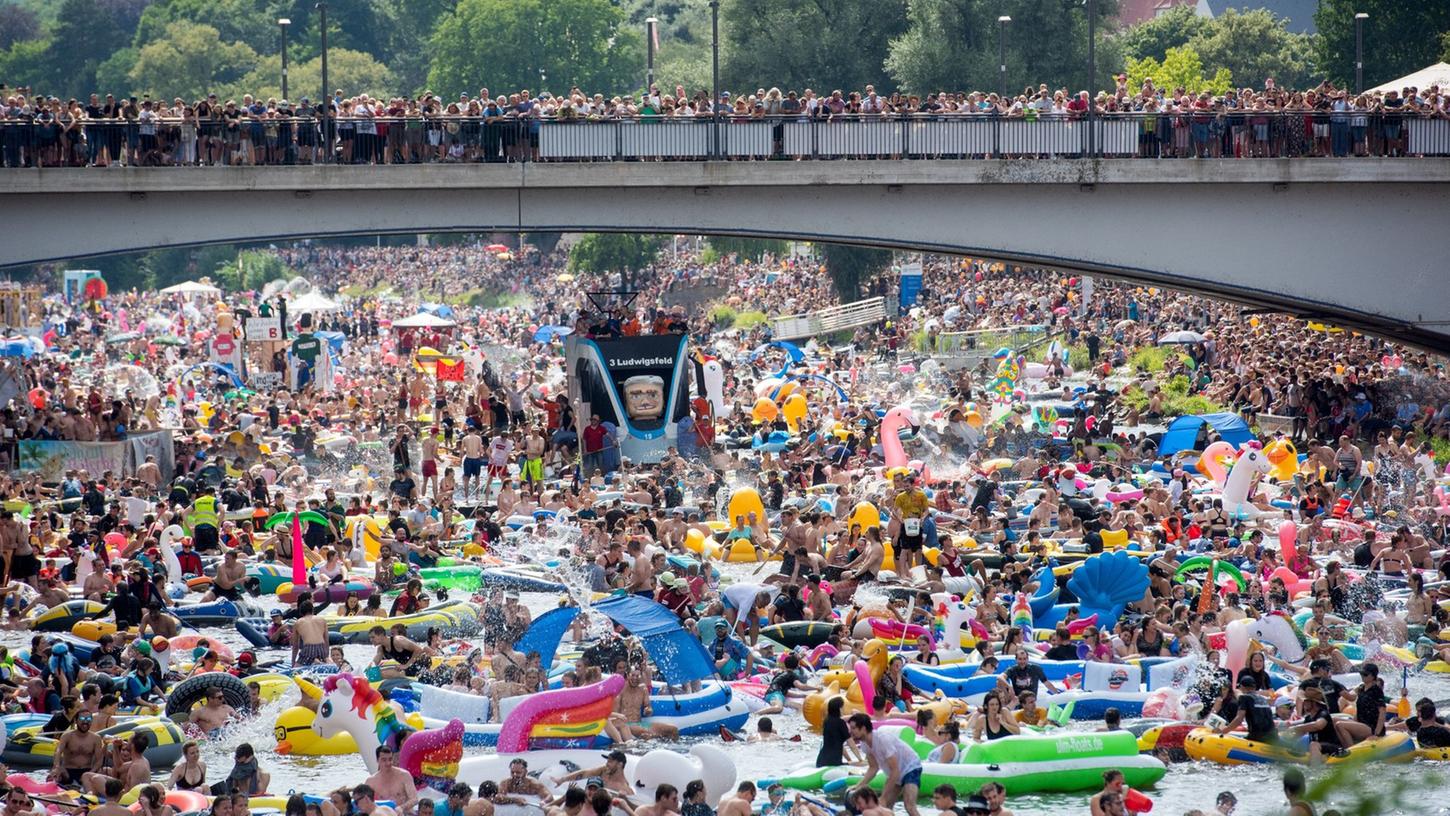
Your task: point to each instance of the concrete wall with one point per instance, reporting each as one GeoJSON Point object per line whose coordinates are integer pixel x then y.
{"type": "Point", "coordinates": [1353, 241]}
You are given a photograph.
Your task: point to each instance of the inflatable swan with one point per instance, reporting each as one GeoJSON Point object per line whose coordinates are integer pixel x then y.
{"type": "Point", "coordinates": [170, 540]}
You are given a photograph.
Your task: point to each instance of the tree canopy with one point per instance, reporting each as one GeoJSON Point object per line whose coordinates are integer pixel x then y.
{"type": "Point", "coordinates": [1400, 37]}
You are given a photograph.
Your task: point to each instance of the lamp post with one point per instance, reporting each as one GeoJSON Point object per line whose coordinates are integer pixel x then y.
{"type": "Point", "coordinates": [1002, 52]}
{"type": "Point", "coordinates": [328, 122]}
{"type": "Point", "coordinates": [1359, 51]}
{"type": "Point", "coordinates": [1092, 15]}
{"type": "Point", "coordinates": [651, 35]}
{"type": "Point", "coordinates": [715, 77]}
{"type": "Point", "coordinates": [282, 23]}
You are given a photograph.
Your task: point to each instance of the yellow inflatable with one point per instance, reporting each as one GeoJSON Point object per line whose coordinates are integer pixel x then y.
{"type": "Point", "coordinates": [1234, 749]}
{"type": "Point", "coordinates": [1283, 458]}
{"type": "Point", "coordinates": [1114, 539]}
{"type": "Point", "coordinates": [866, 515]}
{"type": "Point", "coordinates": [765, 410]}
{"type": "Point", "coordinates": [367, 530]}
{"type": "Point", "coordinates": [696, 542]}
{"type": "Point", "coordinates": [295, 736]}
{"type": "Point", "coordinates": [794, 410]}
{"type": "Point", "coordinates": [741, 551]}
{"type": "Point", "coordinates": [743, 502]}
{"type": "Point", "coordinates": [844, 682]}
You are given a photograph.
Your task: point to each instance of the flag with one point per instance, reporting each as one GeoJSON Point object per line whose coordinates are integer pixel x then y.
{"type": "Point", "coordinates": [299, 560]}
{"type": "Point", "coordinates": [450, 370]}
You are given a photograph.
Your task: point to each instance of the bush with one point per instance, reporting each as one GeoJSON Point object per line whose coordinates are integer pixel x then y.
{"type": "Point", "coordinates": [749, 320]}
{"type": "Point", "coordinates": [1440, 448]}
{"type": "Point", "coordinates": [723, 316]}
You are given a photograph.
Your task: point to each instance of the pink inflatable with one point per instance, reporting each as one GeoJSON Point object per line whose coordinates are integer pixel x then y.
{"type": "Point", "coordinates": [1116, 496]}
{"type": "Point", "coordinates": [820, 655]}
{"type": "Point", "coordinates": [1292, 582]}
{"type": "Point", "coordinates": [867, 687]}
{"type": "Point", "coordinates": [1288, 540]}
{"type": "Point", "coordinates": [1077, 626]}
{"type": "Point", "coordinates": [513, 737]}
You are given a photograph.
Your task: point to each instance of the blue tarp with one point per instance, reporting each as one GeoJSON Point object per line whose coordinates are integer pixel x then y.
{"type": "Point", "coordinates": [545, 633]}
{"type": "Point", "coordinates": [16, 347]}
{"type": "Point", "coordinates": [546, 334]}
{"type": "Point", "coordinates": [679, 655]}
{"type": "Point", "coordinates": [1183, 431]}
{"type": "Point", "coordinates": [333, 338]}
{"type": "Point", "coordinates": [439, 309]}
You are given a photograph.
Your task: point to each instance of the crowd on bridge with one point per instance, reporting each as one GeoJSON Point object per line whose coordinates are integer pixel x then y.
{"type": "Point", "coordinates": [38, 130]}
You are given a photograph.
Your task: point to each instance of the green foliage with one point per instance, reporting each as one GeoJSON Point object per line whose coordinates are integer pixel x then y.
{"type": "Point", "coordinates": [950, 44]}
{"type": "Point", "coordinates": [751, 319]}
{"type": "Point", "coordinates": [534, 44]}
{"type": "Point", "coordinates": [1445, 47]}
{"type": "Point", "coordinates": [850, 266]}
{"type": "Point", "coordinates": [17, 24]}
{"type": "Point", "coordinates": [722, 316]}
{"type": "Point", "coordinates": [1176, 399]}
{"type": "Point", "coordinates": [1400, 36]}
{"type": "Point", "coordinates": [1440, 447]}
{"type": "Point", "coordinates": [82, 37]}
{"type": "Point", "coordinates": [749, 249]}
{"type": "Point", "coordinates": [823, 45]}
{"type": "Point", "coordinates": [24, 63]}
{"type": "Point", "coordinates": [189, 61]}
{"type": "Point", "coordinates": [602, 253]}
{"type": "Point", "coordinates": [1255, 45]}
{"type": "Point", "coordinates": [1154, 36]}
{"type": "Point", "coordinates": [247, 21]}
{"type": "Point", "coordinates": [356, 71]}
{"type": "Point", "coordinates": [1182, 67]}
{"type": "Point", "coordinates": [250, 269]}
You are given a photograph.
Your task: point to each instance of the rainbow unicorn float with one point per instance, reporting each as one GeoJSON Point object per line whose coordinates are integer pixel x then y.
{"type": "Point", "coordinates": [350, 705]}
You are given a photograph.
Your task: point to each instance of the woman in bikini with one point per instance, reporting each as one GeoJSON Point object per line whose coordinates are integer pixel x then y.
{"type": "Point", "coordinates": [190, 773]}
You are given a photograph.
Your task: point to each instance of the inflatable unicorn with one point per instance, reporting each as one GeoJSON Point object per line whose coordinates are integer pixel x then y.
{"type": "Point", "coordinates": [349, 705]}
{"type": "Point", "coordinates": [1004, 381]}
{"type": "Point", "coordinates": [1247, 469]}
{"type": "Point", "coordinates": [1275, 629]}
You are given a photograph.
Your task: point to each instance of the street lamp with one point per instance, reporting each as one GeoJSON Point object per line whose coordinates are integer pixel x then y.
{"type": "Point", "coordinates": [651, 36]}
{"type": "Point", "coordinates": [282, 23]}
{"type": "Point", "coordinates": [715, 77]}
{"type": "Point", "coordinates": [328, 122]}
{"type": "Point", "coordinates": [1359, 51]}
{"type": "Point", "coordinates": [1002, 51]}
{"type": "Point", "coordinates": [1092, 15]}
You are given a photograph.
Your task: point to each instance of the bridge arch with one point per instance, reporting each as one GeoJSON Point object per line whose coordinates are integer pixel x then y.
{"type": "Point", "coordinates": [1346, 241]}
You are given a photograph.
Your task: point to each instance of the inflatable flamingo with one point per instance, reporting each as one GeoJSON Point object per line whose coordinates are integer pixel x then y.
{"type": "Point", "coordinates": [891, 448]}
{"type": "Point", "coordinates": [1212, 462]}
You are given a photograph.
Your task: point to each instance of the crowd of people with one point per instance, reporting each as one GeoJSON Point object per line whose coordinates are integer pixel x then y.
{"type": "Point", "coordinates": [449, 462]}
{"type": "Point", "coordinates": [37, 130]}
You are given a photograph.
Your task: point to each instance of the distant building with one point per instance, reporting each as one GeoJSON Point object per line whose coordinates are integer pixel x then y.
{"type": "Point", "coordinates": [1300, 13]}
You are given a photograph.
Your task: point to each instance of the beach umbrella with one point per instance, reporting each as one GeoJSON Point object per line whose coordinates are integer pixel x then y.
{"type": "Point", "coordinates": [496, 248]}
{"type": "Point", "coordinates": [1181, 337]}
{"type": "Point", "coordinates": [170, 340]}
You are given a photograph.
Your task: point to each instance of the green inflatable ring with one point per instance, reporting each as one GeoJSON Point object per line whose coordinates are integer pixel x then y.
{"type": "Point", "coordinates": [1203, 562]}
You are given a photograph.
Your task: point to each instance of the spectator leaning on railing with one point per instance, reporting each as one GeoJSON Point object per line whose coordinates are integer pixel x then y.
{"type": "Point", "coordinates": [38, 130]}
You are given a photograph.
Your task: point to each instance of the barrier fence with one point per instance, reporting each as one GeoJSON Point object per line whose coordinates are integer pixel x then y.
{"type": "Point", "coordinates": [1248, 134]}
{"type": "Point", "coordinates": [830, 319]}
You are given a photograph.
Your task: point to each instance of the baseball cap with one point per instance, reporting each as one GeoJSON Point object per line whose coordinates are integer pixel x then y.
{"type": "Point", "coordinates": [594, 782]}
{"type": "Point", "coordinates": [617, 756]}
{"type": "Point", "coordinates": [1283, 700]}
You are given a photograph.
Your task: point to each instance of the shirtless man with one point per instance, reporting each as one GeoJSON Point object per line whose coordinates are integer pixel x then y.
{"type": "Point", "coordinates": [741, 804]}
{"type": "Point", "coordinates": [518, 785]}
{"type": "Point", "coordinates": [631, 708]}
{"type": "Point", "coordinates": [868, 564]}
{"type": "Point", "coordinates": [611, 773]}
{"type": "Point", "coordinates": [473, 461]}
{"type": "Point", "coordinates": [392, 782]}
{"type": "Point", "coordinates": [97, 586]}
{"type": "Point", "coordinates": [211, 717]}
{"type": "Point", "coordinates": [229, 577]}
{"type": "Point", "coordinates": [109, 806]}
{"type": "Point", "coordinates": [157, 622]}
{"type": "Point", "coordinates": [667, 802]}
{"type": "Point", "coordinates": [78, 753]}
{"type": "Point", "coordinates": [532, 468]}
{"type": "Point", "coordinates": [429, 457]}
{"type": "Point", "coordinates": [309, 636]}
{"type": "Point", "coordinates": [149, 473]}
{"type": "Point", "coordinates": [130, 766]}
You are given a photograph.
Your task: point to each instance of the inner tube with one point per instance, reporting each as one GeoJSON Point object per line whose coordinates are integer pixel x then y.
{"type": "Point", "coordinates": [1201, 563]}
{"type": "Point", "coordinates": [62, 618]}
{"type": "Point", "coordinates": [193, 690]}
{"type": "Point", "coordinates": [254, 630]}
{"type": "Point", "coordinates": [330, 593]}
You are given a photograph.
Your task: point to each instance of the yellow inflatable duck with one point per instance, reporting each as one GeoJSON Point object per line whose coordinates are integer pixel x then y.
{"type": "Point", "coordinates": [843, 682]}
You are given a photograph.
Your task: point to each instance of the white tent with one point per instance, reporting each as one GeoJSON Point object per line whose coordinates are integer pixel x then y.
{"type": "Point", "coordinates": [312, 302]}
{"type": "Point", "coordinates": [423, 320]}
{"type": "Point", "coordinates": [1437, 74]}
{"type": "Point", "coordinates": [191, 288]}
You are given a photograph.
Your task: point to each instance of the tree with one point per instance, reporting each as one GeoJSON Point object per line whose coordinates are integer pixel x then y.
{"type": "Point", "coordinates": [247, 21]}
{"type": "Point", "coordinates": [84, 36]}
{"type": "Point", "coordinates": [536, 44]}
{"type": "Point", "coordinates": [354, 71]}
{"type": "Point", "coordinates": [823, 45]}
{"type": "Point", "coordinates": [1254, 46]}
{"type": "Point", "coordinates": [1445, 47]}
{"type": "Point", "coordinates": [953, 44]}
{"type": "Point", "coordinates": [17, 24]}
{"type": "Point", "coordinates": [602, 253]}
{"type": "Point", "coordinates": [1181, 68]}
{"type": "Point", "coordinates": [24, 63]}
{"type": "Point", "coordinates": [190, 60]}
{"type": "Point", "coordinates": [409, 24]}
{"type": "Point", "coordinates": [748, 249]}
{"type": "Point", "coordinates": [1154, 36]}
{"type": "Point", "coordinates": [1400, 37]}
{"type": "Point", "coordinates": [851, 266]}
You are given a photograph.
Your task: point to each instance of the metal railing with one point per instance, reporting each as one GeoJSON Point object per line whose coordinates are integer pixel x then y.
{"type": "Point", "coordinates": [966, 349]}
{"type": "Point", "coordinates": [830, 319]}
{"type": "Point", "coordinates": [443, 139]}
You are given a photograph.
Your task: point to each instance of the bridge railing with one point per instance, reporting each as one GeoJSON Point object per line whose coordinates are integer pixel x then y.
{"type": "Point", "coordinates": [444, 139]}
{"type": "Point", "coordinates": [830, 319]}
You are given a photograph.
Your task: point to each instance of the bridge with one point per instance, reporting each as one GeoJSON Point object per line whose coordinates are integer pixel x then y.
{"type": "Point", "coordinates": [1351, 242]}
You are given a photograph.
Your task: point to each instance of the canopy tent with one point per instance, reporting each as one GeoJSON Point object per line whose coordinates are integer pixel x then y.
{"type": "Point", "coordinates": [191, 288]}
{"type": "Point", "coordinates": [440, 309]}
{"type": "Point", "coordinates": [18, 347]}
{"type": "Point", "coordinates": [335, 339]}
{"type": "Point", "coordinates": [313, 302]}
{"type": "Point", "coordinates": [1437, 74]}
{"type": "Point", "coordinates": [546, 334]}
{"type": "Point", "coordinates": [423, 320]}
{"type": "Point", "coordinates": [680, 656]}
{"type": "Point", "coordinates": [1183, 431]}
